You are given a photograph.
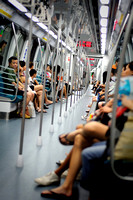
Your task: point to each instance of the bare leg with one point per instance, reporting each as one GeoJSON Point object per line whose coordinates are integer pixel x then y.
{"type": "Point", "coordinates": [64, 165]}
{"type": "Point", "coordinates": [70, 136]}
{"type": "Point", "coordinates": [81, 142]}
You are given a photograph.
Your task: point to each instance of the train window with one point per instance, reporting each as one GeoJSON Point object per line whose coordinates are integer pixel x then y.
{"type": "Point", "coordinates": [5, 39]}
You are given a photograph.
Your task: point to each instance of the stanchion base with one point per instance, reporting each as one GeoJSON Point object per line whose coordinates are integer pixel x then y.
{"type": "Point", "coordinates": [20, 162]}
{"type": "Point", "coordinates": [39, 141]}
{"type": "Point", "coordinates": [70, 109]}
{"type": "Point", "coordinates": [51, 128]}
{"type": "Point", "coordinates": [65, 114]}
{"type": "Point", "coordinates": [60, 120]}
{"type": "Point", "coordinates": [74, 106]}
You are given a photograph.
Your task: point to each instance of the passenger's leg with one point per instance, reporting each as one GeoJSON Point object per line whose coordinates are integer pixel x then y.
{"type": "Point", "coordinates": [74, 167]}
{"type": "Point", "coordinates": [75, 163]}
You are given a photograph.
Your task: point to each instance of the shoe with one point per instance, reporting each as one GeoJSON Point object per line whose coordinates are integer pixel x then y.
{"type": "Point", "coordinates": [48, 179]}
{"type": "Point", "coordinates": [52, 195]}
{"type": "Point", "coordinates": [84, 117]}
{"type": "Point", "coordinates": [65, 140]}
{"type": "Point", "coordinates": [65, 173]}
{"type": "Point", "coordinates": [26, 116]}
{"type": "Point", "coordinates": [45, 107]}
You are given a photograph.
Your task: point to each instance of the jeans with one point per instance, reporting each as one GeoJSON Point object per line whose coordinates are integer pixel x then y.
{"type": "Point", "coordinates": [90, 156]}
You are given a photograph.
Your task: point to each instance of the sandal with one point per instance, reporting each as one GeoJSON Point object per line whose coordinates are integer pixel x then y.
{"type": "Point", "coordinates": [66, 140]}
{"type": "Point", "coordinates": [44, 111]}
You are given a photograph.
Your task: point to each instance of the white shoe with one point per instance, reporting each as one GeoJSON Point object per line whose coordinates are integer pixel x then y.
{"type": "Point", "coordinates": [48, 179]}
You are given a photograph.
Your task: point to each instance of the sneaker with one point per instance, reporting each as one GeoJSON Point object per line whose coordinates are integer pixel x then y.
{"type": "Point", "coordinates": [65, 173]}
{"type": "Point", "coordinates": [84, 117]}
{"type": "Point", "coordinates": [48, 179]}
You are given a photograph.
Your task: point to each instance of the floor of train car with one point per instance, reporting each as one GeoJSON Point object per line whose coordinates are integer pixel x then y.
{"type": "Point", "coordinates": [18, 183]}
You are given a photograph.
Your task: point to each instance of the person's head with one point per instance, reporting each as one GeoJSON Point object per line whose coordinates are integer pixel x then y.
{"type": "Point", "coordinates": [3, 43]}
{"type": "Point", "coordinates": [113, 72]}
{"type": "Point", "coordinates": [13, 62]}
{"type": "Point", "coordinates": [128, 71]}
{"type": "Point", "coordinates": [116, 62]}
{"type": "Point", "coordinates": [31, 65]}
{"type": "Point", "coordinates": [58, 69]}
{"type": "Point", "coordinates": [49, 68]}
{"type": "Point", "coordinates": [33, 73]}
{"type": "Point", "coordinates": [22, 64]}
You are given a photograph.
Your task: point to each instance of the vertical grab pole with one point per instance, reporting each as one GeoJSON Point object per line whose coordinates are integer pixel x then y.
{"type": "Point", "coordinates": [122, 55]}
{"type": "Point", "coordinates": [72, 78]}
{"type": "Point", "coordinates": [17, 57]}
{"type": "Point", "coordinates": [111, 60]}
{"type": "Point", "coordinates": [60, 119]}
{"type": "Point", "coordinates": [65, 113]}
{"type": "Point", "coordinates": [39, 139]}
{"type": "Point", "coordinates": [20, 156]}
{"type": "Point", "coordinates": [58, 40]}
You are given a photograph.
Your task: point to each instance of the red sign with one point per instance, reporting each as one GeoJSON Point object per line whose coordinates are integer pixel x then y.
{"type": "Point", "coordinates": [84, 43]}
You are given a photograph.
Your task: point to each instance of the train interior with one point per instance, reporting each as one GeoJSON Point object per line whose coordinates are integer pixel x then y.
{"type": "Point", "coordinates": [85, 38]}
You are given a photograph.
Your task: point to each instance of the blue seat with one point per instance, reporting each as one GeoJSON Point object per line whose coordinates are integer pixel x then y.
{"type": "Point", "coordinates": [10, 96]}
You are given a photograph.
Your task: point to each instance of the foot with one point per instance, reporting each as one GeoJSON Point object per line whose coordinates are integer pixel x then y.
{"type": "Point", "coordinates": [48, 102]}
{"type": "Point", "coordinates": [48, 179]}
{"type": "Point", "coordinates": [44, 111]}
{"type": "Point", "coordinates": [65, 139]}
{"type": "Point", "coordinates": [26, 116]}
{"type": "Point", "coordinates": [57, 192]}
{"type": "Point", "coordinates": [46, 107]}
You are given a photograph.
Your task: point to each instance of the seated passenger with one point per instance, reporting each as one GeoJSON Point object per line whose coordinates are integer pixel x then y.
{"type": "Point", "coordinates": [10, 73]}
{"type": "Point", "coordinates": [85, 136]}
{"type": "Point", "coordinates": [38, 88]}
{"type": "Point", "coordinates": [91, 158]}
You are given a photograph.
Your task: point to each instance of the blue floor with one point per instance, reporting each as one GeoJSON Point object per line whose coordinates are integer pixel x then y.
{"type": "Point", "coordinates": [18, 183]}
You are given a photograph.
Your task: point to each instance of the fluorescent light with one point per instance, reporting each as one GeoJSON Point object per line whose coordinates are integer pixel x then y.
{"type": "Point", "coordinates": [51, 33]}
{"type": "Point", "coordinates": [103, 30]}
{"type": "Point", "coordinates": [103, 40]}
{"type": "Point", "coordinates": [103, 35]}
{"type": "Point", "coordinates": [55, 36]}
{"type": "Point", "coordinates": [18, 5]}
{"type": "Point", "coordinates": [43, 26]}
{"type": "Point", "coordinates": [104, 11]}
{"type": "Point", "coordinates": [68, 48]}
{"type": "Point", "coordinates": [104, 1]}
{"type": "Point", "coordinates": [35, 19]}
{"type": "Point", "coordinates": [103, 22]}
{"type": "Point", "coordinates": [63, 43]}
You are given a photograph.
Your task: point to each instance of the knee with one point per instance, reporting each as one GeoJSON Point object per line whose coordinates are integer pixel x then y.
{"type": "Point", "coordinates": [78, 142]}
{"type": "Point", "coordinates": [79, 126]}
{"type": "Point", "coordinates": [88, 128]}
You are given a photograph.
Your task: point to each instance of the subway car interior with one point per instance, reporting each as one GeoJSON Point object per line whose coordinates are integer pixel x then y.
{"type": "Point", "coordinates": [66, 99]}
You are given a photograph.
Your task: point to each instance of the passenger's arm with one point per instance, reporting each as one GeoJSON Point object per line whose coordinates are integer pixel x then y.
{"type": "Point", "coordinates": [127, 102]}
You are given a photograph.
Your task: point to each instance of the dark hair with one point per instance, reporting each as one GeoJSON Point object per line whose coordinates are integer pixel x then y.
{"type": "Point", "coordinates": [2, 42]}
{"type": "Point", "coordinates": [49, 66]}
{"type": "Point", "coordinates": [117, 60]}
{"type": "Point", "coordinates": [113, 71]}
{"type": "Point", "coordinates": [58, 69]}
{"type": "Point", "coordinates": [124, 66]}
{"type": "Point", "coordinates": [131, 65]}
{"type": "Point", "coordinates": [32, 72]}
{"type": "Point", "coordinates": [31, 64]}
{"type": "Point", "coordinates": [12, 58]}
{"type": "Point", "coordinates": [22, 63]}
